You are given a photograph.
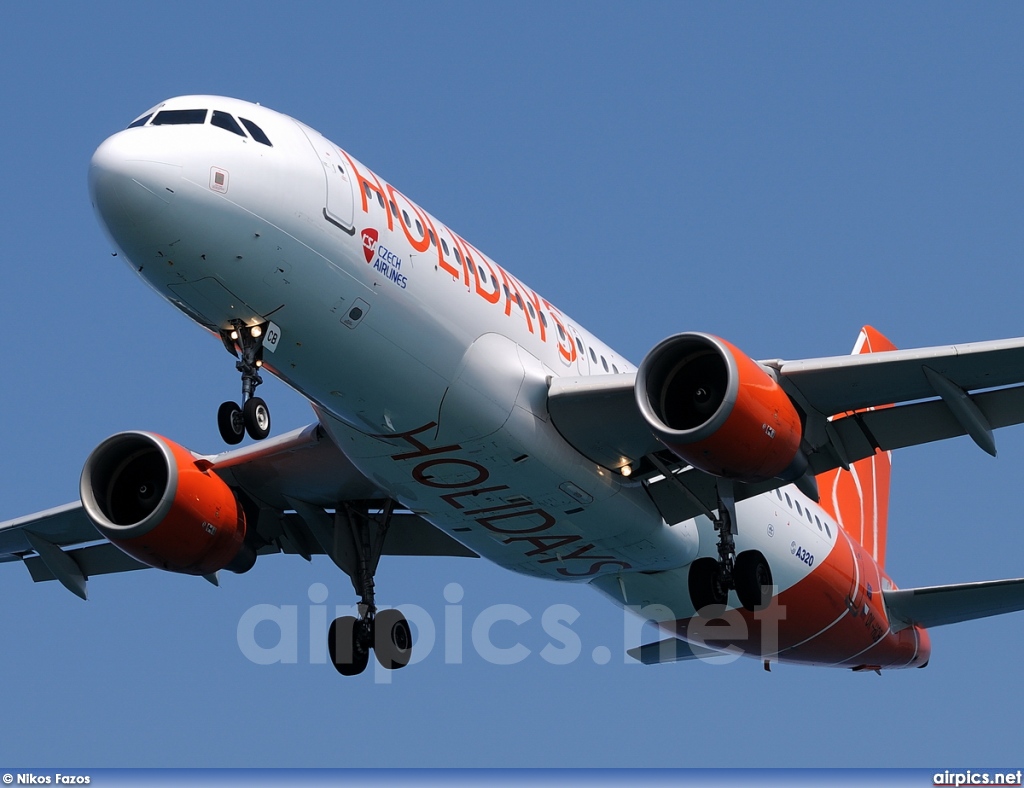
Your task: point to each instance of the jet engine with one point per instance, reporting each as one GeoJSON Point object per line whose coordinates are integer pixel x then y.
{"type": "Point", "coordinates": [159, 504]}
{"type": "Point", "coordinates": [718, 410]}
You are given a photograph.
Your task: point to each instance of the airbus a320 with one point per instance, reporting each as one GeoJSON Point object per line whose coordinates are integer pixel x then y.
{"type": "Point", "coordinates": [458, 412]}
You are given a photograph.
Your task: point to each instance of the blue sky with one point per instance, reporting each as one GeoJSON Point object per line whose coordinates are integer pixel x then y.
{"type": "Point", "coordinates": [778, 174]}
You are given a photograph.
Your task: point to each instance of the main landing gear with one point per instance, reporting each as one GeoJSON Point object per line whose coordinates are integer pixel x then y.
{"type": "Point", "coordinates": [386, 633]}
{"type": "Point", "coordinates": [748, 573]}
{"type": "Point", "coordinates": [253, 417]}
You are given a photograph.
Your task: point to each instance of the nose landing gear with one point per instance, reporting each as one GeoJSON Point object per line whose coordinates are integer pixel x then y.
{"type": "Point", "coordinates": [253, 417]}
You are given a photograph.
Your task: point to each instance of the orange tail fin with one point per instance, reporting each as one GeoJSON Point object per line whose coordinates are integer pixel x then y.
{"type": "Point", "coordinates": [858, 499]}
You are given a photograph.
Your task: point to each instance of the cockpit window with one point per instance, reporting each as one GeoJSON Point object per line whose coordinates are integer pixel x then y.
{"type": "Point", "coordinates": [178, 117]}
{"type": "Point", "coordinates": [140, 122]}
{"type": "Point", "coordinates": [225, 121]}
{"type": "Point", "coordinates": [256, 132]}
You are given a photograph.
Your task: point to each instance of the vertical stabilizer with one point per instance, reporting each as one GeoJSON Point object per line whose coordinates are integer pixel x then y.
{"type": "Point", "coordinates": [859, 498]}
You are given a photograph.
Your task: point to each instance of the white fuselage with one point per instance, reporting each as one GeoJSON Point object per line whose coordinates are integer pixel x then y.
{"type": "Point", "coordinates": [425, 360]}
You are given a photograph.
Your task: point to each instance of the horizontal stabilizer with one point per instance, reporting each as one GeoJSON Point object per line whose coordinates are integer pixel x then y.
{"type": "Point", "coordinates": [672, 650]}
{"type": "Point", "coordinates": [938, 605]}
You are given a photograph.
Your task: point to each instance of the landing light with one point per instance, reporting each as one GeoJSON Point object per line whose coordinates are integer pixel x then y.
{"type": "Point", "coordinates": [626, 470]}
{"type": "Point", "coordinates": [234, 335]}
{"type": "Point", "coordinates": [259, 363]}
{"type": "Point", "coordinates": [255, 331]}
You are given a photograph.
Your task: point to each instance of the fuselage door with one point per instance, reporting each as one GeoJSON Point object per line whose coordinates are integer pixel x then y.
{"type": "Point", "coordinates": [338, 201]}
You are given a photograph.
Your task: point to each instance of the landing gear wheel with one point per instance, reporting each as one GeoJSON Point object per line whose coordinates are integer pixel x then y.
{"type": "Point", "coordinates": [231, 423]}
{"type": "Point", "coordinates": [751, 574]}
{"type": "Point", "coordinates": [707, 593]}
{"type": "Point", "coordinates": [392, 639]}
{"type": "Point", "coordinates": [257, 418]}
{"type": "Point", "coordinates": [348, 646]}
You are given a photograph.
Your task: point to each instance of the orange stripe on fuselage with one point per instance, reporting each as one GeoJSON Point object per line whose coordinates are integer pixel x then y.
{"type": "Point", "coordinates": [828, 618]}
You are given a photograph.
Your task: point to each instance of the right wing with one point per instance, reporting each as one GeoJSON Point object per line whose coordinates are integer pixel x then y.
{"type": "Point", "coordinates": [292, 481]}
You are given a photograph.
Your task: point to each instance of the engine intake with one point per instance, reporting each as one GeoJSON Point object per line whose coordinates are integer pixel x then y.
{"type": "Point", "coordinates": [153, 500]}
{"type": "Point", "coordinates": [718, 410]}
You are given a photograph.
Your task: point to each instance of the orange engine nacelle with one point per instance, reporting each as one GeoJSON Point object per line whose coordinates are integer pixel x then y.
{"type": "Point", "coordinates": [152, 499]}
{"type": "Point", "coordinates": [718, 410]}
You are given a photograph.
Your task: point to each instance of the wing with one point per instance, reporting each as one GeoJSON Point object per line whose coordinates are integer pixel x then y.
{"type": "Point", "coordinates": [937, 393]}
{"type": "Point", "coordinates": [291, 482]}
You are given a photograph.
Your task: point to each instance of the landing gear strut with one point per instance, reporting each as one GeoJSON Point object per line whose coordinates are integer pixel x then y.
{"type": "Point", "coordinates": [246, 344]}
{"type": "Point", "coordinates": [387, 632]}
{"type": "Point", "coordinates": [748, 573]}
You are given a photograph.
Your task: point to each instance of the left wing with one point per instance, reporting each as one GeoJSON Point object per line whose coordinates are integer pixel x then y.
{"type": "Point", "coordinates": [937, 393]}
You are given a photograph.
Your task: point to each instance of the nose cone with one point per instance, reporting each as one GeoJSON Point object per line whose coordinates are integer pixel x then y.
{"type": "Point", "coordinates": [132, 182]}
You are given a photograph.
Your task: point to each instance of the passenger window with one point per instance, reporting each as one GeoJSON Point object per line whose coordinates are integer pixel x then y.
{"type": "Point", "coordinates": [140, 122]}
{"type": "Point", "coordinates": [808, 513]}
{"type": "Point", "coordinates": [380, 200]}
{"type": "Point", "coordinates": [256, 132]}
{"type": "Point", "coordinates": [532, 313]}
{"type": "Point", "coordinates": [405, 218]}
{"type": "Point", "coordinates": [459, 258]}
{"type": "Point", "coordinates": [817, 521]}
{"type": "Point", "coordinates": [828, 530]}
{"type": "Point", "coordinates": [798, 509]}
{"type": "Point", "coordinates": [179, 117]}
{"type": "Point", "coordinates": [579, 344]}
{"type": "Point", "coordinates": [433, 241]}
{"type": "Point", "coordinates": [778, 492]}
{"type": "Point", "coordinates": [789, 503]}
{"type": "Point", "coordinates": [593, 356]}
{"type": "Point", "coordinates": [419, 227]}
{"type": "Point", "coordinates": [394, 209]}
{"type": "Point", "coordinates": [367, 191]}
{"type": "Point", "coordinates": [604, 363]}
{"type": "Point", "coordinates": [561, 331]}
{"type": "Point", "coordinates": [444, 245]}
{"type": "Point", "coordinates": [543, 319]}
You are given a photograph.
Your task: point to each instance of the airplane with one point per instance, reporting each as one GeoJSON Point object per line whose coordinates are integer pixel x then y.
{"type": "Point", "coordinates": [741, 505]}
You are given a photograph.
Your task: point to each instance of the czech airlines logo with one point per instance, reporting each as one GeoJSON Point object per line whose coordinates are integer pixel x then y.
{"type": "Point", "coordinates": [370, 237]}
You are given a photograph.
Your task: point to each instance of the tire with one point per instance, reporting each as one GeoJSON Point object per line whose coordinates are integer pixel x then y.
{"type": "Point", "coordinates": [392, 639]}
{"type": "Point", "coordinates": [346, 655]}
{"type": "Point", "coordinates": [257, 418]}
{"type": "Point", "coordinates": [231, 423]}
{"type": "Point", "coordinates": [707, 594]}
{"type": "Point", "coordinates": [751, 573]}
